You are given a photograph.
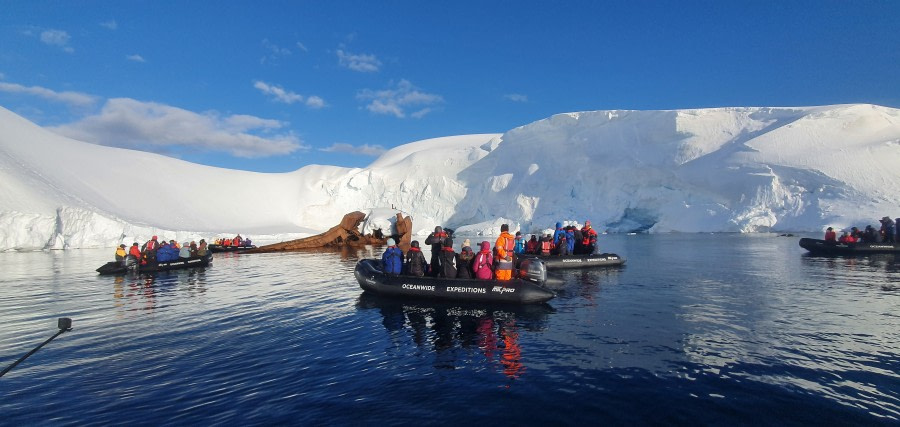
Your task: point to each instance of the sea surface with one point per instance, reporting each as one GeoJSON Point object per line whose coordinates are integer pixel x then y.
{"type": "Point", "coordinates": [698, 329]}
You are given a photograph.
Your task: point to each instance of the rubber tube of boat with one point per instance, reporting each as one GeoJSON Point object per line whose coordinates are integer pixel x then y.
{"type": "Point", "coordinates": [63, 323]}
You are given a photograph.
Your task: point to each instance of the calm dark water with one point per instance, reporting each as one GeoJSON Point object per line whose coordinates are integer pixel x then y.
{"type": "Point", "coordinates": [695, 329]}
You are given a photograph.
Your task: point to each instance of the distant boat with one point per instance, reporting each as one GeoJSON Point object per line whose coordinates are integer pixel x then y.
{"type": "Point", "coordinates": [554, 262]}
{"type": "Point", "coordinates": [223, 248]}
{"type": "Point", "coordinates": [117, 267]}
{"type": "Point", "coordinates": [821, 247]}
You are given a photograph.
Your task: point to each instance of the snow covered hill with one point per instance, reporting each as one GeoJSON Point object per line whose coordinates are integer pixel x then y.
{"type": "Point", "coordinates": [723, 169]}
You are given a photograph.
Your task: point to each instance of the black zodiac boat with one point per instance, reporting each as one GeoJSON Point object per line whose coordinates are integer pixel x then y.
{"type": "Point", "coordinates": [116, 267]}
{"type": "Point", "coordinates": [553, 262]}
{"type": "Point", "coordinates": [530, 290]}
{"type": "Point", "coordinates": [223, 248]}
{"type": "Point", "coordinates": [821, 247]}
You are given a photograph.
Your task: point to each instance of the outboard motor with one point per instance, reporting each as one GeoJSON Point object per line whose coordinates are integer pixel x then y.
{"type": "Point", "coordinates": [533, 269]}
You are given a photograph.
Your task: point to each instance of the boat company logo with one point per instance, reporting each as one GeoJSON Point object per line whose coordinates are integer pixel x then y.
{"type": "Point", "coordinates": [465, 290]}
{"type": "Point", "coordinates": [429, 288]}
{"type": "Point", "coordinates": [502, 290]}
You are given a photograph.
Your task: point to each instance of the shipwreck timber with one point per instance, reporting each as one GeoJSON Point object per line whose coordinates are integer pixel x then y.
{"type": "Point", "coordinates": [345, 234]}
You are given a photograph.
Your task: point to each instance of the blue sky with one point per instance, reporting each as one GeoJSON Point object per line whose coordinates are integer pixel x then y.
{"type": "Point", "coordinates": [273, 86]}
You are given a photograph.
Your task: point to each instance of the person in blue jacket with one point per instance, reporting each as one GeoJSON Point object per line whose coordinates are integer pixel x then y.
{"type": "Point", "coordinates": [519, 249]}
{"type": "Point", "coordinates": [392, 259]}
{"type": "Point", "coordinates": [570, 239]}
{"type": "Point", "coordinates": [559, 232]}
{"type": "Point", "coordinates": [560, 236]}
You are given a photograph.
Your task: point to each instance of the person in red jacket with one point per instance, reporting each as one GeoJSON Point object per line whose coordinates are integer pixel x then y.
{"type": "Point", "coordinates": [532, 246]}
{"type": "Point", "coordinates": [588, 238]}
{"type": "Point", "coordinates": [830, 235]}
{"type": "Point", "coordinates": [134, 256]}
{"type": "Point", "coordinates": [847, 238]}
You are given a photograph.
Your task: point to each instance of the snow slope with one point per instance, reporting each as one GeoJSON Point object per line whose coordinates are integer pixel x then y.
{"type": "Point", "coordinates": [723, 169]}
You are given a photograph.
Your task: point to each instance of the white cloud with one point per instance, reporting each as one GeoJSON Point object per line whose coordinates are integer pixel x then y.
{"type": "Point", "coordinates": [364, 150]}
{"type": "Point", "coordinates": [136, 58]}
{"type": "Point", "coordinates": [397, 99]}
{"type": "Point", "coordinates": [111, 24]}
{"type": "Point", "coordinates": [315, 102]}
{"type": "Point", "coordinates": [516, 97]}
{"type": "Point", "coordinates": [273, 52]}
{"type": "Point", "coordinates": [148, 126]}
{"type": "Point", "coordinates": [76, 99]}
{"type": "Point", "coordinates": [57, 38]}
{"type": "Point", "coordinates": [278, 93]}
{"type": "Point", "coordinates": [362, 63]}
{"type": "Point", "coordinates": [302, 47]}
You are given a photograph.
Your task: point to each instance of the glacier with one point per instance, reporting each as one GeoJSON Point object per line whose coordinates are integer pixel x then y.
{"type": "Point", "coordinates": [735, 169]}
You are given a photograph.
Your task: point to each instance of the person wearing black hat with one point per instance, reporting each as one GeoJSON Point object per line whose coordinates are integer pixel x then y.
{"type": "Point", "coordinates": [887, 230]}
{"type": "Point", "coordinates": [415, 261]}
{"type": "Point", "coordinates": [436, 240]}
{"type": "Point", "coordinates": [448, 259]}
{"type": "Point", "coordinates": [134, 256]}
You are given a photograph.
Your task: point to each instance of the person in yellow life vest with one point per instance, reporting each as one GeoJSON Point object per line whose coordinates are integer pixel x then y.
{"type": "Point", "coordinates": [121, 253]}
{"type": "Point", "coordinates": [503, 249]}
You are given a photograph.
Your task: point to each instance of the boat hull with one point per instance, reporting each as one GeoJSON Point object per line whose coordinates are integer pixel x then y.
{"type": "Point", "coordinates": [557, 262]}
{"type": "Point", "coordinates": [821, 247]}
{"type": "Point", "coordinates": [116, 267]}
{"type": "Point", "coordinates": [372, 279]}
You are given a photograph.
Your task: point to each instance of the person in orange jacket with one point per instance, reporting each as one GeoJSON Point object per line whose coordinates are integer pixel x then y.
{"type": "Point", "coordinates": [504, 254]}
{"type": "Point", "coordinates": [830, 235]}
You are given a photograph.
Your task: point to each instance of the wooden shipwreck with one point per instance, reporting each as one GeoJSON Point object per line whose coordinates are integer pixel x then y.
{"type": "Point", "coordinates": [345, 234]}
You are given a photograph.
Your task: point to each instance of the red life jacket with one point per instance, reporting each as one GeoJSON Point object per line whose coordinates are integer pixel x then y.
{"type": "Point", "coordinates": [545, 247]}
{"type": "Point", "coordinates": [587, 234]}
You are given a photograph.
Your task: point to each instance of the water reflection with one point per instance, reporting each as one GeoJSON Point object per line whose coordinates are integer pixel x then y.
{"type": "Point", "coordinates": [444, 328]}
{"type": "Point", "coordinates": [137, 292]}
{"type": "Point", "coordinates": [864, 270]}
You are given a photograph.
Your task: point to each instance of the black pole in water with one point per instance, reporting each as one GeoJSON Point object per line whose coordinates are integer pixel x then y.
{"type": "Point", "coordinates": [63, 323]}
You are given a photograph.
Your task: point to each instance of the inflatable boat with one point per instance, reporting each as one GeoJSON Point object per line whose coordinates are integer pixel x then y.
{"type": "Point", "coordinates": [554, 262]}
{"type": "Point", "coordinates": [821, 247]}
{"type": "Point", "coordinates": [527, 290]}
{"type": "Point", "coordinates": [223, 248]}
{"type": "Point", "coordinates": [116, 267]}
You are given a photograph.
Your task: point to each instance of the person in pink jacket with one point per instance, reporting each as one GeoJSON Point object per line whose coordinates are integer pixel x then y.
{"type": "Point", "coordinates": [482, 265]}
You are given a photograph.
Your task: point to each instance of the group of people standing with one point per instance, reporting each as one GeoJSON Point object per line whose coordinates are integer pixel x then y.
{"type": "Point", "coordinates": [154, 252]}
{"type": "Point", "coordinates": [235, 241]}
{"type": "Point", "coordinates": [569, 240]}
{"type": "Point", "coordinates": [888, 233]}
{"type": "Point", "coordinates": [489, 263]}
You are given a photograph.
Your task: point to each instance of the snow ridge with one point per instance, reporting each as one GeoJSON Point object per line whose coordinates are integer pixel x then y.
{"type": "Point", "coordinates": [742, 169]}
